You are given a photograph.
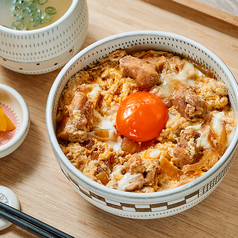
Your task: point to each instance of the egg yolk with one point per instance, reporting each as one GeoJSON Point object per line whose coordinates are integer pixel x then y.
{"type": "Point", "coordinates": [141, 117]}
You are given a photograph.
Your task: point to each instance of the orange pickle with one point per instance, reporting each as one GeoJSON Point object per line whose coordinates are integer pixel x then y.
{"type": "Point", "coordinates": [5, 123]}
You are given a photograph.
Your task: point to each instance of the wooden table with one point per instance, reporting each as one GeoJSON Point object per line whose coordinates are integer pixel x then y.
{"type": "Point", "coordinates": [33, 174]}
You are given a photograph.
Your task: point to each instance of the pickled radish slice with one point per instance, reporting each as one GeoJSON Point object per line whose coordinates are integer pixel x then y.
{"type": "Point", "coordinates": [5, 123]}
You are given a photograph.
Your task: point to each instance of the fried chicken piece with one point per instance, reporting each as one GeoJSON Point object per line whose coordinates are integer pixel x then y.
{"type": "Point", "coordinates": [134, 165]}
{"type": "Point", "coordinates": [188, 103]}
{"type": "Point", "coordinates": [144, 73]}
{"type": "Point", "coordinates": [185, 151]}
{"type": "Point", "coordinates": [76, 124]}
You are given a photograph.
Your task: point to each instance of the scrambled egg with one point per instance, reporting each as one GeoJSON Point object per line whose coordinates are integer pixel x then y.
{"type": "Point", "coordinates": [200, 127]}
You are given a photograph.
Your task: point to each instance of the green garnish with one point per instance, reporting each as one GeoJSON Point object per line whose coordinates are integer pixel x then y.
{"type": "Point", "coordinates": [28, 13]}
{"type": "Point", "coordinates": [17, 24]}
{"type": "Point", "coordinates": [50, 10]}
{"type": "Point", "coordinates": [42, 2]}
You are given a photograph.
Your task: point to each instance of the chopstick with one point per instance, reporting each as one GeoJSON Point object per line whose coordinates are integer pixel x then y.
{"type": "Point", "coordinates": [30, 223]}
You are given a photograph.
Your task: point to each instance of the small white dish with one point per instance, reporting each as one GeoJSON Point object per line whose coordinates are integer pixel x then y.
{"type": "Point", "coordinates": [15, 108]}
{"type": "Point", "coordinates": [8, 197]}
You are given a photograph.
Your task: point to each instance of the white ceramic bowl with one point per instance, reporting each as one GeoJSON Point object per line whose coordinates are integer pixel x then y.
{"type": "Point", "coordinates": [15, 107]}
{"type": "Point", "coordinates": [143, 205]}
{"type": "Point", "coordinates": [48, 48]}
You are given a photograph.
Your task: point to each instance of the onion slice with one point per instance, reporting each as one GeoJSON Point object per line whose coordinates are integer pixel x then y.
{"type": "Point", "coordinates": [170, 169]}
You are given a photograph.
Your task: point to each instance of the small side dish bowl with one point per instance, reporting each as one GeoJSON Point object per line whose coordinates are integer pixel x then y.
{"type": "Point", "coordinates": [48, 48]}
{"type": "Point", "coordinates": [16, 110]}
{"type": "Point", "coordinates": [143, 205]}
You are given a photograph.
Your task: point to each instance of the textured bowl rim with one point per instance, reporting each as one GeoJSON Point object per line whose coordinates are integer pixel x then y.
{"type": "Point", "coordinates": [43, 29]}
{"type": "Point", "coordinates": [13, 144]}
{"type": "Point", "coordinates": [102, 188]}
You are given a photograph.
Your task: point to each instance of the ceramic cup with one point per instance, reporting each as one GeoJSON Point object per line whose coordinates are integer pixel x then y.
{"type": "Point", "coordinates": [48, 48]}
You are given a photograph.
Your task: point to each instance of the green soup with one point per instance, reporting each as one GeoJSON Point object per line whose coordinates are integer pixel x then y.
{"type": "Point", "coordinates": [31, 14]}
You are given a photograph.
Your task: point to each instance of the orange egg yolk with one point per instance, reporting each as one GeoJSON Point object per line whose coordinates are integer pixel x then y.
{"type": "Point", "coordinates": [141, 116]}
